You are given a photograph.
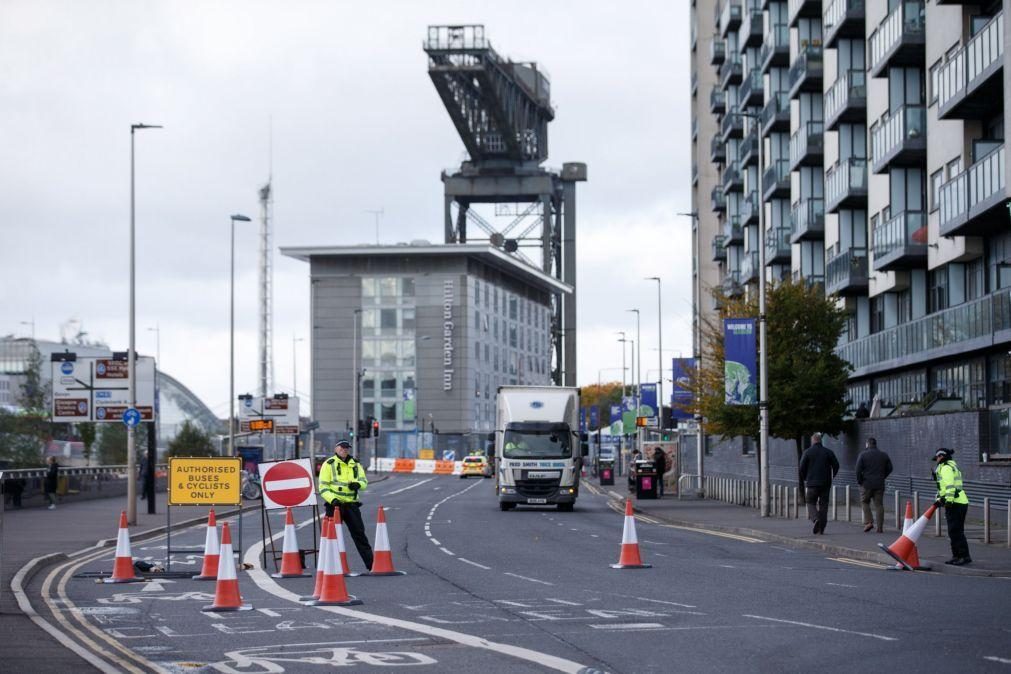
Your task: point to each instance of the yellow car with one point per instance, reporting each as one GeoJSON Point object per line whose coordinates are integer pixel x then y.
{"type": "Point", "coordinates": [476, 466]}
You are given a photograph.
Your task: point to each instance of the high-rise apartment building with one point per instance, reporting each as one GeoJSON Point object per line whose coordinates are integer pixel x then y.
{"type": "Point", "coordinates": [879, 127]}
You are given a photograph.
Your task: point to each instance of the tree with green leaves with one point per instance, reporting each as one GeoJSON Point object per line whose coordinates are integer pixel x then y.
{"type": "Point", "coordinates": [87, 433]}
{"type": "Point", "coordinates": [191, 440]}
{"type": "Point", "coordinates": [111, 445]}
{"type": "Point", "coordinates": [24, 432]}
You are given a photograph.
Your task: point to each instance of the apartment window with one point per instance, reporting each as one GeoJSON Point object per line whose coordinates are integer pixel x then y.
{"type": "Point", "coordinates": [387, 319]}
{"type": "Point", "coordinates": [937, 290]}
{"type": "Point", "coordinates": [368, 387]}
{"type": "Point", "coordinates": [407, 287]}
{"type": "Point", "coordinates": [963, 380]}
{"type": "Point", "coordinates": [513, 308]}
{"type": "Point", "coordinates": [877, 314]}
{"type": "Point", "coordinates": [901, 388]}
{"type": "Point", "coordinates": [935, 81]}
{"type": "Point", "coordinates": [487, 353]}
{"type": "Point", "coordinates": [1000, 379]}
{"type": "Point", "coordinates": [477, 319]}
{"type": "Point", "coordinates": [407, 319]}
{"type": "Point", "coordinates": [936, 180]}
{"type": "Point", "coordinates": [954, 167]}
{"type": "Point", "coordinates": [904, 306]}
{"type": "Point", "coordinates": [512, 336]}
{"type": "Point", "coordinates": [389, 412]}
{"type": "Point", "coordinates": [974, 280]}
{"type": "Point", "coordinates": [477, 292]}
{"type": "Point", "coordinates": [859, 393]}
{"type": "Point", "coordinates": [388, 386]}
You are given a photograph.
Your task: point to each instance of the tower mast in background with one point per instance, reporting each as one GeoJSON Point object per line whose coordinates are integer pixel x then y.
{"type": "Point", "coordinates": [266, 284]}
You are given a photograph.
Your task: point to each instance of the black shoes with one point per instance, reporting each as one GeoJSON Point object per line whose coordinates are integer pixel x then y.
{"type": "Point", "coordinates": [959, 561]}
{"type": "Point", "coordinates": [868, 527]}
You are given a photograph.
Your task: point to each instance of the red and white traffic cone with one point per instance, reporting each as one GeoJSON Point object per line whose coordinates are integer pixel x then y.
{"type": "Point", "coordinates": [226, 592]}
{"type": "Point", "coordinates": [122, 568]}
{"type": "Point", "coordinates": [908, 521]}
{"type": "Point", "coordinates": [212, 552]}
{"type": "Point", "coordinates": [321, 555]}
{"type": "Point", "coordinates": [382, 560]}
{"type": "Point", "coordinates": [334, 591]}
{"type": "Point", "coordinates": [630, 558]}
{"type": "Point", "coordinates": [903, 550]}
{"type": "Point", "coordinates": [291, 562]}
{"type": "Point", "coordinates": [341, 550]}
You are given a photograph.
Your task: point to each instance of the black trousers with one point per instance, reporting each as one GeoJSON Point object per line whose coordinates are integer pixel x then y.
{"type": "Point", "coordinates": [351, 515]}
{"type": "Point", "coordinates": [954, 517]}
{"type": "Point", "coordinates": [817, 506]}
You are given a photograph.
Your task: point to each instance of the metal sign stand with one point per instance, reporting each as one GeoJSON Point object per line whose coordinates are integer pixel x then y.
{"type": "Point", "coordinates": [268, 536]}
{"type": "Point", "coordinates": [168, 524]}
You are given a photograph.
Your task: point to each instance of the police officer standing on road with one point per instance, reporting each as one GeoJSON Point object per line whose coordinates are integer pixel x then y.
{"type": "Point", "coordinates": [953, 498]}
{"type": "Point", "coordinates": [340, 479]}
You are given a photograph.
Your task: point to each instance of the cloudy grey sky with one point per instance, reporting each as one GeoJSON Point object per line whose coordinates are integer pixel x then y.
{"type": "Point", "coordinates": [357, 125]}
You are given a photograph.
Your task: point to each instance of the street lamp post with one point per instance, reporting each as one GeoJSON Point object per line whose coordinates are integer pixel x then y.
{"type": "Point", "coordinates": [357, 379]}
{"type": "Point", "coordinates": [638, 375]}
{"type": "Point", "coordinates": [131, 354]}
{"type": "Point", "coordinates": [659, 355]}
{"type": "Point", "coordinates": [231, 340]}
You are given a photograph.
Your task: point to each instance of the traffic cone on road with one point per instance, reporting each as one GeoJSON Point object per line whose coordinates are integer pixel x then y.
{"type": "Point", "coordinates": [226, 592]}
{"type": "Point", "coordinates": [342, 551]}
{"type": "Point", "coordinates": [382, 561]}
{"type": "Point", "coordinates": [630, 558]}
{"type": "Point", "coordinates": [211, 550]}
{"type": "Point", "coordinates": [291, 562]}
{"type": "Point", "coordinates": [334, 591]}
{"type": "Point", "coordinates": [122, 568]}
{"type": "Point", "coordinates": [321, 555]}
{"type": "Point", "coordinates": [903, 550]}
{"type": "Point", "coordinates": [908, 521]}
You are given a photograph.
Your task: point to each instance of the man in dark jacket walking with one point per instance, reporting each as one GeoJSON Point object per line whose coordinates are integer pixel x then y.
{"type": "Point", "coordinates": [873, 466]}
{"type": "Point", "coordinates": [818, 466]}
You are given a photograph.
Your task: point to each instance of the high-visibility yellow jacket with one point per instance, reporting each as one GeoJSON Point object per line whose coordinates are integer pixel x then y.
{"type": "Point", "coordinates": [949, 483]}
{"type": "Point", "coordinates": [334, 477]}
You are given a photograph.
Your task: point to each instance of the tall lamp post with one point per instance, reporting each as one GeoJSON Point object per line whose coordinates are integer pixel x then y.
{"type": "Point", "coordinates": [131, 354]}
{"type": "Point", "coordinates": [697, 351]}
{"type": "Point", "coordinates": [231, 341]}
{"type": "Point", "coordinates": [638, 376]}
{"type": "Point", "coordinates": [357, 379]}
{"type": "Point", "coordinates": [659, 355]}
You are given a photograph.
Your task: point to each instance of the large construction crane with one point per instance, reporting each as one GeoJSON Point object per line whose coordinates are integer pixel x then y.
{"type": "Point", "coordinates": [501, 110]}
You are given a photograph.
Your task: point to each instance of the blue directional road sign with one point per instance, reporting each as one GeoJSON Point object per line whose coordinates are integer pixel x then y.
{"type": "Point", "coordinates": [131, 417]}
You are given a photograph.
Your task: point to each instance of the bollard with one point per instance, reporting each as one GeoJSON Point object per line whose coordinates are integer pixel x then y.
{"type": "Point", "coordinates": [986, 519]}
{"type": "Point", "coordinates": [916, 505]}
{"type": "Point", "coordinates": [833, 502]}
{"type": "Point", "coordinates": [796, 503]}
{"type": "Point", "coordinates": [849, 510]}
{"type": "Point", "coordinates": [1008, 530]}
{"type": "Point", "coordinates": [898, 515]}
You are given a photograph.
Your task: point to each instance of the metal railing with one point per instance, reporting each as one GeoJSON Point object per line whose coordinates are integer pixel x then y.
{"type": "Point", "coordinates": [959, 73]}
{"type": "Point", "coordinates": [906, 229]}
{"type": "Point", "coordinates": [807, 64]}
{"type": "Point", "coordinates": [908, 123]}
{"type": "Point", "coordinates": [807, 217]}
{"type": "Point", "coordinates": [778, 104]}
{"type": "Point", "coordinates": [777, 243]}
{"type": "Point", "coordinates": [777, 171]}
{"type": "Point", "coordinates": [717, 100]}
{"type": "Point", "coordinates": [837, 10]}
{"type": "Point", "coordinates": [717, 52]}
{"type": "Point", "coordinates": [807, 140]}
{"type": "Point", "coordinates": [906, 21]}
{"type": "Point", "coordinates": [845, 267]}
{"type": "Point", "coordinates": [979, 182]}
{"type": "Point", "coordinates": [749, 266]}
{"type": "Point", "coordinates": [850, 85]}
{"type": "Point", "coordinates": [844, 179]}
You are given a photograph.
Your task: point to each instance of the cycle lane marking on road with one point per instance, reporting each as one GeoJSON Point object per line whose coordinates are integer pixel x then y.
{"type": "Point", "coordinates": [820, 627]}
{"type": "Point", "coordinates": [410, 486]}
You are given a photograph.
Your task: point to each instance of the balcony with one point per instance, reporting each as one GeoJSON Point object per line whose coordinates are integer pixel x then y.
{"type": "Point", "coordinates": [807, 145]}
{"type": "Point", "coordinates": [808, 279]}
{"type": "Point", "coordinates": [749, 209]}
{"type": "Point", "coordinates": [846, 99]}
{"type": "Point", "coordinates": [748, 149]}
{"type": "Point", "coordinates": [717, 150]}
{"type": "Point", "coordinates": [717, 200]}
{"type": "Point", "coordinates": [695, 83]}
{"type": "Point", "coordinates": [970, 203]}
{"type": "Point", "coordinates": [717, 101]}
{"type": "Point", "coordinates": [807, 220]}
{"type": "Point", "coordinates": [749, 267]}
{"type": "Point", "coordinates": [901, 139]}
{"type": "Point", "coordinates": [806, 71]}
{"type": "Point", "coordinates": [843, 18]}
{"type": "Point", "coordinates": [776, 180]}
{"type": "Point", "coordinates": [777, 245]}
{"type": "Point", "coordinates": [846, 273]}
{"type": "Point", "coordinates": [732, 181]}
{"type": "Point", "coordinates": [899, 39]}
{"type": "Point", "coordinates": [751, 92]}
{"type": "Point", "coordinates": [751, 29]}
{"type": "Point", "coordinates": [730, 17]}
{"type": "Point", "coordinates": [719, 250]}
{"type": "Point", "coordinates": [717, 52]}
{"type": "Point", "coordinates": [971, 83]}
{"type": "Point", "coordinates": [733, 233]}
{"type": "Point", "coordinates": [846, 185]}
{"type": "Point", "coordinates": [695, 128]}
{"type": "Point", "coordinates": [732, 126]}
{"type": "Point", "coordinates": [775, 48]}
{"type": "Point", "coordinates": [776, 114]}
{"type": "Point", "coordinates": [901, 242]}
{"type": "Point", "coordinates": [731, 284]}
{"type": "Point", "coordinates": [796, 9]}
{"type": "Point", "coordinates": [731, 72]}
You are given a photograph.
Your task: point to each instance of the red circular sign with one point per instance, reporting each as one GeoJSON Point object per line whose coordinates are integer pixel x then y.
{"type": "Point", "coordinates": [287, 484]}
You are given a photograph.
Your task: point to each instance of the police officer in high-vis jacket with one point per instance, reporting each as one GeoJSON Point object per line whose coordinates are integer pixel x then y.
{"type": "Point", "coordinates": [953, 498]}
{"type": "Point", "coordinates": [341, 478]}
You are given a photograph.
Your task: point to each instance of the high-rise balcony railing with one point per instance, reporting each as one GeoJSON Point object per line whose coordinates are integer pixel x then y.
{"type": "Point", "coordinates": [846, 185]}
{"type": "Point", "coordinates": [843, 18]}
{"type": "Point", "coordinates": [748, 149]}
{"type": "Point", "coordinates": [749, 209]}
{"type": "Point", "coordinates": [731, 71]}
{"type": "Point", "coordinates": [733, 233]}
{"type": "Point", "coordinates": [797, 9]}
{"type": "Point", "coordinates": [900, 139]}
{"type": "Point", "coordinates": [752, 93]}
{"type": "Point", "coordinates": [806, 71]}
{"type": "Point", "coordinates": [901, 242]}
{"type": "Point", "coordinates": [777, 245]}
{"type": "Point", "coordinates": [717, 101]}
{"type": "Point", "coordinates": [776, 114]}
{"type": "Point", "coordinates": [846, 99]}
{"type": "Point", "coordinates": [730, 16]}
{"type": "Point", "coordinates": [807, 220]}
{"type": "Point", "coordinates": [970, 202]}
{"type": "Point", "coordinates": [732, 181]}
{"type": "Point", "coordinates": [775, 48]}
{"type": "Point", "coordinates": [807, 145]}
{"type": "Point", "coordinates": [776, 180]}
{"type": "Point", "coordinates": [731, 284]}
{"type": "Point", "coordinates": [717, 52]}
{"type": "Point", "coordinates": [846, 272]}
{"type": "Point", "coordinates": [899, 39]}
{"type": "Point", "coordinates": [750, 34]}
{"type": "Point", "coordinates": [970, 85]}
{"type": "Point", "coordinates": [717, 150]}
{"type": "Point", "coordinates": [717, 200]}
{"type": "Point", "coordinates": [749, 267]}
{"type": "Point", "coordinates": [732, 126]}
{"type": "Point", "coordinates": [719, 250]}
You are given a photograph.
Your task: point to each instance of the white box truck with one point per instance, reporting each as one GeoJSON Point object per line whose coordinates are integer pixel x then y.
{"type": "Point", "coordinates": [538, 447]}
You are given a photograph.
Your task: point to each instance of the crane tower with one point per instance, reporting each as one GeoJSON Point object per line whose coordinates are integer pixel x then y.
{"type": "Point", "coordinates": [266, 294]}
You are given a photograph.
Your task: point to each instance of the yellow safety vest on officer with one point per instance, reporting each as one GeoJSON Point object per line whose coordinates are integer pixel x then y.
{"type": "Point", "coordinates": [949, 483]}
{"type": "Point", "coordinates": [952, 496]}
{"type": "Point", "coordinates": [336, 478]}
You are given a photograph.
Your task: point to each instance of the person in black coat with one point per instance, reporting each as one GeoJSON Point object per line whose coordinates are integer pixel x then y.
{"type": "Point", "coordinates": [660, 462]}
{"type": "Point", "coordinates": [873, 467]}
{"type": "Point", "coordinates": [818, 466]}
{"type": "Point", "coordinates": [51, 481]}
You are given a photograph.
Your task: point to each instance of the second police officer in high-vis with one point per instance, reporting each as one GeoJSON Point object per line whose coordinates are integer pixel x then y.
{"type": "Point", "coordinates": [953, 498]}
{"type": "Point", "coordinates": [341, 479]}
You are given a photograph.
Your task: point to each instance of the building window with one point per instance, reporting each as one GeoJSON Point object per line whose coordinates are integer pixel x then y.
{"type": "Point", "coordinates": [936, 180]}
{"type": "Point", "coordinates": [963, 380]}
{"type": "Point", "coordinates": [937, 290]}
{"type": "Point", "coordinates": [388, 319]}
{"type": "Point", "coordinates": [513, 307]}
{"type": "Point", "coordinates": [388, 287]}
{"type": "Point", "coordinates": [388, 386]}
{"type": "Point", "coordinates": [512, 336]}
{"type": "Point", "coordinates": [1000, 379]}
{"type": "Point", "coordinates": [389, 412]}
{"type": "Point", "coordinates": [368, 387]}
{"type": "Point", "coordinates": [477, 319]}
{"type": "Point", "coordinates": [877, 314]}
{"type": "Point", "coordinates": [935, 81]}
{"type": "Point", "coordinates": [974, 285]}
{"type": "Point", "coordinates": [407, 287]}
{"type": "Point", "coordinates": [388, 353]}
{"type": "Point", "coordinates": [907, 387]}
{"type": "Point", "coordinates": [407, 353]}
{"type": "Point", "coordinates": [368, 287]}
{"type": "Point", "coordinates": [487, 353]}
{"type": "Point", "coordinates": [477, 292]}
{"type": "Point", "coordinates": [954, 167]}
{"type": "Point", "coordinates": [408, 319]}
{"type": "Point", "coordinates": [904, 301]}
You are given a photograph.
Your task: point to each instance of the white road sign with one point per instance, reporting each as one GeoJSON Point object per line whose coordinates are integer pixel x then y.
{"type": "Point", "coordinates": [92, 388]}
{"type": "Point", "coordinates": [284, 412]}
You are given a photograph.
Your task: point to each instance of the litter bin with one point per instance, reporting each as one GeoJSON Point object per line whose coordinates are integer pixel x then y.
{"type": "Point", "coordinates": [606, 472]}
{"type": "Point", "coordinates": [645, 479]}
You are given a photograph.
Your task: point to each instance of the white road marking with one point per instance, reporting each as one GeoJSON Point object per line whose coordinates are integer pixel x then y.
{"type": "Point", "coordinates": [594, 536]}
{"type": "Point", "coordinates": [669, 603]}
{"type": "Point", "coordinates": [711, 532]}
{"type": "Point", "coordinates": [447, 552]}
{"type": "Point", "coordinates": [628, 626]}
{"type": "Point", "coordinates": [532, 580]}
{"type": "Point", "coordinates": [840, 584]}
{"type": "Point", "coordinates": [858, 562]}
{"type": "Point", "coordinates": [562, 601]}
{"type": "Point", "coordinates": [434, 540]}
{"type": "Point", "coordinates": [994, 658]}
{"type": "Point", "coordinates": [268, 612]}
{"type": "Point", "coordinates": [410, 486]}
{"type": "Point", "coordinates": [480, 566]}
{"type": "Point", "coordinates": [821, 627]}
{"type": "Point", "coordinates": [616, 495]}
{"type": "Point", "coordinates": [511, 603]}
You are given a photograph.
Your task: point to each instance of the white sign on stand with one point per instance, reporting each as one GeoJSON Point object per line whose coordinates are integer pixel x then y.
{"type": "Point", "coordinates": [90, 388]}
{"type": "Point", "coordinates": [283, 411]}
{"type": "Point", "coordinates": [287, 484]}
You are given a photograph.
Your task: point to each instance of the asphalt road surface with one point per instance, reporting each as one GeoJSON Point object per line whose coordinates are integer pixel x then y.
{"type": "Point", "coordinates": [532, 590]}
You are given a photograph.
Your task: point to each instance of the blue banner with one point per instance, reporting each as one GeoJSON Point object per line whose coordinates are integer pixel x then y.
{"type": "Point", "coordinates": [582, 419]}
{"type": "Point", "coordinates": [648, 404]}
{"type": "Point", "coordinates": [594, 417]}
{"type": "Point", "coordinates": [739, 367]}
{"type": "Point", "coordinates": [615, 413]}
{"type": "Point", "coordinates": [682, 397]}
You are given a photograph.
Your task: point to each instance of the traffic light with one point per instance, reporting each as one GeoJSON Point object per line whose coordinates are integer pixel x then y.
{"type": "Point", "coordinates": [375, 428]}
{"type": "Point", "coordinates": [363, 427]}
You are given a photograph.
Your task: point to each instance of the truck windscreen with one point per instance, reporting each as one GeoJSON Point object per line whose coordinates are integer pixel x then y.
{"type": "Point", "coordinates": [537, 440]}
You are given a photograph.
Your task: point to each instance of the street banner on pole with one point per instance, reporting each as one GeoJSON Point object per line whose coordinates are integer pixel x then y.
{"type": "Point", "coordinates": [594, 417]}
{"type": "Point", "coordinates": [582, 419]}
{"type": "Point", "coordinates": [682, 398]}
{"type": "Point", "coordinates": [648, 405]}
{"type": "Point", "coordinates": [615, 419]}
{"type": "Point", "coordinates": [739, 366]}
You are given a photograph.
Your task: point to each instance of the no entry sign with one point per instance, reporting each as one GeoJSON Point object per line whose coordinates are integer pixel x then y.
{"type": "Point", "coordinates": [287, 484]}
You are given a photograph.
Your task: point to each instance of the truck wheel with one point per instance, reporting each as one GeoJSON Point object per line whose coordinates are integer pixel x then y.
{"type": "Point", "coordinates": [566, 507]}
{"type": "Point", "coordinates": [506, 506]}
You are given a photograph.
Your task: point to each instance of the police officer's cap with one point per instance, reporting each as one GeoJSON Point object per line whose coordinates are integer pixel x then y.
{"type": "Point", "coordinates": [943, 454]}
{"type": "Point", "coordinates": [343, 443]}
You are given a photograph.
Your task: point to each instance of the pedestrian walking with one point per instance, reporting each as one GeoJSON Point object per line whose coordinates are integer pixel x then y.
{"type": "Point", "coordinates": [873, 467]}
{"type": "Point", "coordinates": [341, 478]}
{"type": "Point", "coordinates": [660, 463]}
{"type": "Point", "coordinates": [51, 481]}
{"type": "Point", "coordinates": [955, 502]}
{"type": "Point", "coordinates": [818, 466]}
